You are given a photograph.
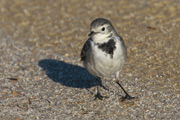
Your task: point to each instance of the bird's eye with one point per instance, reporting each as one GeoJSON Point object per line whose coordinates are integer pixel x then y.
{"type": "Point", "coordinates": [103, 29]}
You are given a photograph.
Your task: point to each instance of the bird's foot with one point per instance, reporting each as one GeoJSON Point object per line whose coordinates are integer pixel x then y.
{"type": "Point", "coordinates": [99, 96]}
{"type": "Point", "coordinates": [127, 97]}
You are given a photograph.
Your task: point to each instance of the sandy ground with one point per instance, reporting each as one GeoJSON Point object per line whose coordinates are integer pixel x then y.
{"type": "Point", "coordinates": [42, 76]}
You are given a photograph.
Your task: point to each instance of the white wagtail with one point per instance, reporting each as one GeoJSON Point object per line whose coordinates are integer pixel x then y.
{"type": "Point", "coordinates": [104, 53]}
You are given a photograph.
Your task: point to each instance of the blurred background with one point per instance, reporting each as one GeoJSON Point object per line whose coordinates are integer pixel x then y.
{"type": "Point", "coordinates": [42, 76]}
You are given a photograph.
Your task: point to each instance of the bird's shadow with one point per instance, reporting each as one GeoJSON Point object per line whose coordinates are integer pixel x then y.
{"type": "Point", "coordinates": [68, 74]}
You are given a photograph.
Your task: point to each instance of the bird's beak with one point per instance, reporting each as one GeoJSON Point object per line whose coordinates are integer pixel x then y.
{"type": "Point", "coordinates": [92, 32]}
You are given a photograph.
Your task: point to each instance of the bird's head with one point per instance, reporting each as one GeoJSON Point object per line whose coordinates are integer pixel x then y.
{"type": "Point", "coordinates": [101, 29]}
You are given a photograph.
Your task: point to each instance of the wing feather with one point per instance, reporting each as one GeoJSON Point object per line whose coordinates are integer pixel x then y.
{"type": "Point", "coordinates": [86, 48]}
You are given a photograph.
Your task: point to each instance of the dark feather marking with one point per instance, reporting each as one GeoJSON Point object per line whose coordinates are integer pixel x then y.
{"type": "Point", "coordinates": [108, 47]}
{"type": "Point", "coordinates": [85, 48]}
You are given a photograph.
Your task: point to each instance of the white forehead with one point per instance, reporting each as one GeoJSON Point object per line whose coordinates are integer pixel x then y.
{"type": "Point", "coordinates": [99, 27]}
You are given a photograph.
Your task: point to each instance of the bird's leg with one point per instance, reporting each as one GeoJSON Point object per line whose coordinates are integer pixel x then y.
{"type": "Point", "coordinates": [127, 96]}
{"type": "Point", "coordinates": [98, 94]}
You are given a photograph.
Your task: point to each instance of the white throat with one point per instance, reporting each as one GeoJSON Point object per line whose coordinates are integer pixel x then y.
{"type": "Point", "coordinates": [100, 38]}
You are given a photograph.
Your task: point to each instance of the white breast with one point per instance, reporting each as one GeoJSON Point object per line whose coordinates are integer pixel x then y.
{"type": "Point", "coordinates": [102, 64]}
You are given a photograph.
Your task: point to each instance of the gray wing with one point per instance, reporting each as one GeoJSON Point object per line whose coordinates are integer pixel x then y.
{"type": "Point", "coordinates": [123, 46]}
{"type": "Point", "coordinates": [85, 49]}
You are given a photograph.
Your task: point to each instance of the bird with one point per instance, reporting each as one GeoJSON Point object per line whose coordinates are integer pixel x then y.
{"type": "Point", "coordinates": [104, 53]}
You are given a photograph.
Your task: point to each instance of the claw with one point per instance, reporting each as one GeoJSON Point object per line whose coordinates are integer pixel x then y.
{"type": "Point", "coordinates": [98, 96]}
{"type": "Point", "coordinates": [127, 97]}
